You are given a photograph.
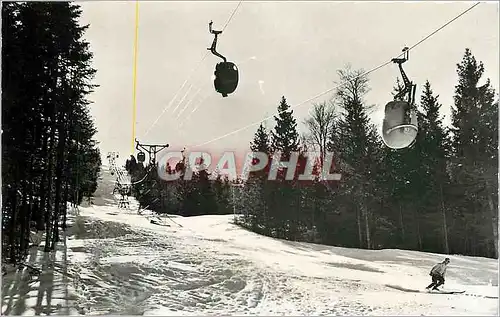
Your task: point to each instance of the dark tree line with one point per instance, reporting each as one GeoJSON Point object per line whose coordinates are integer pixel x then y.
{"type": "Point", "coordinates": [204, 193]}
{"type": "Point", "coordinates": [49, 156]}
{"type": "Point", "coordinates": [439, 195]}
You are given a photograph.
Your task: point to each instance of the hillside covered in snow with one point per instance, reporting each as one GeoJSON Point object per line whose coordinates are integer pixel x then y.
{"type": "Point", "coordinates": [115, 261]}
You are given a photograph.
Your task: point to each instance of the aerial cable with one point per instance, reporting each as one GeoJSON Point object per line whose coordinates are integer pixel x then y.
{"type": "Point", "coordinates": [188, 103]}
{"type": "Point", "coordinates": [183, 98]}
{"type": "Point", "coordinates": [189, 77]}
{"type": "Point", "coordinates": [194, 109]}
{"type": "Point", "coordinates": [138, 181]}
{"type": "Point", "coordinates": [232, 15]}
{"type": "Point", "coordinates": [340, 85]}
{"type": "Point", "coordinates": [291, 107]}
{"type": "Point", "coordinates": [176, 94]}
{"type": "Point", "coordinates": [202, 88]}
{"type": "Point", "coordinates": [442, 27]}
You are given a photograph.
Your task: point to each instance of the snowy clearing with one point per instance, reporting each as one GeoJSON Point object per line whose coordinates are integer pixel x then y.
{"type": "Point", "coordinates": [117, 262]}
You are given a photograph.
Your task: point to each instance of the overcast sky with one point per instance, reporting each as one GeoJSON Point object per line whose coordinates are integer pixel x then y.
{"type": "Point", "coordinates": [282, 48]}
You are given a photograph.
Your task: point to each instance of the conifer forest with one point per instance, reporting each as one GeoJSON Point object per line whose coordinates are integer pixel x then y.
{"type": "Point", "coordinates": [439, 195]}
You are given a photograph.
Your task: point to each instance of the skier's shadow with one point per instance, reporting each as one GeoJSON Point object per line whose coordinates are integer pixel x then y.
{"type": "Point", "coordinates": [46, 284]}
{"type": "Point", "coordinates": [403, 289]}
{"type": "Point", "coordinates": [22, 284]}
{"type": "Point", "coordinates": [17, 287]}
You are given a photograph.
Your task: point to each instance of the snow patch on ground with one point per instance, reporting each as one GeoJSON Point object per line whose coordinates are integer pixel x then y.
{"type": "Point", "coordinates": [118, 262]}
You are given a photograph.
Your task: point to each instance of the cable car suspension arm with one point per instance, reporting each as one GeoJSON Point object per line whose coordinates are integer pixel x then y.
{"type": "Point", "coordinates": [214, 43]}
{"type": "Point", "coordinates": [151, 149]}
{"type": "Point", "coordinates": [409, 88]}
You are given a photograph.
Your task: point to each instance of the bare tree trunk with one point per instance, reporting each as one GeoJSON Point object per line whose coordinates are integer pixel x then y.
{"type": "Point", "coordinates": [445, 223]}
{"type": "Point", "coordinates": [12, 203]}
{"type": "Point", "coordinates": [417, 224]}
{"type": "Point", "coordinates": [28, 190]}
{"type": "Point", "coordinates": [321, 154]}
{"type": "Point", "coordinates": [367, 225]}
{"type": "Point", "coordinates": [403, 236]}
{"type": "Point", "coordinates": [49, 210]}
{"type": "Point", "coordinates": [358, 220]}
{"type": "Point", "coordinates": [43, 183]}
{"type": "Point", "coordinates": [24, 230]}
{"type": "Point", "coordinates": [494, 224]}
{"type": "Point", "coordinates": [66, 199]}
{"type": "Point", "coordinates": [67, 186]}
{"type": "Point", "coordinates": [466, 237]}
{"type": "Point", "coordinates": [57, 205]}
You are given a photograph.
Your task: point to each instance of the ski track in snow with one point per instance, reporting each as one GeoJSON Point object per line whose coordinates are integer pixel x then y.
{"type": "Point", "coordinates": [120, 263]}
{"type": "Point", "coordinates": [144, 270]}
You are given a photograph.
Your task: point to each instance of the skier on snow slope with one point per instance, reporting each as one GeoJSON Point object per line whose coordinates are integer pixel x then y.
{"type": "Point", "coordinates": [437, 273]}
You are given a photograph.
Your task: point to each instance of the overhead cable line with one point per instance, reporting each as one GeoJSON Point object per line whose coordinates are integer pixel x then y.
{"type": "Point", "coordinates": [169, 105]}
{"type": "Point", "coordinates": [340, 85]}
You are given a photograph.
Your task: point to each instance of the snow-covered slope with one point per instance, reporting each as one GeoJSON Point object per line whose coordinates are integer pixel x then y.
{"type": "Point", "coordinates": [119, 262]}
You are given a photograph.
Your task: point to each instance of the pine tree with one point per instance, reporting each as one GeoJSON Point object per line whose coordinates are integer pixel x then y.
{"type": "Point", "coordinates": [261, 144]}
{"type": "Point", "coordinates": [285, 196]}
{"type": "Point", "coordinates": [408, 174]}
{"type": "Point", "coordinates": [257, 187]}
{"type": "Point", "coordinates": [285, 137]}
{"type": "Point", "coordinates": [46, 76]}
{"type": "Point", "coordinates": [223, 194]}
{"type": "Point", "coordinates": [358, 147]}
{"type": "Point", "coordinates": [432, 148]}
{"type": "Point", "coordinates": [474, 161]}
{"type": "Point", "coordinates": [272, 210]}
{"type": "Point", "coordinates": [261, 141]}
{"type": "Point", "coordinates": [206, 193]}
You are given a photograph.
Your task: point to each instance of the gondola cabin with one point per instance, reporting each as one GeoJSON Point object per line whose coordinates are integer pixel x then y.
{"type": "Point", "coordinates": [400, 127]}
{"type": "Point", "coordinates": [226, 78]}
{"type": "Point", "coordinates": [141, 157]}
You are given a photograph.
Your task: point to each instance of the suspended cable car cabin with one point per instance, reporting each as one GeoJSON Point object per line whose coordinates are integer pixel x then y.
{"type": "Point", "coordinates": [400, 126]}
{"type": "Point", "coordinates": [141, 157]}
{"type": "Point", "coordinates": [226, 73]}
